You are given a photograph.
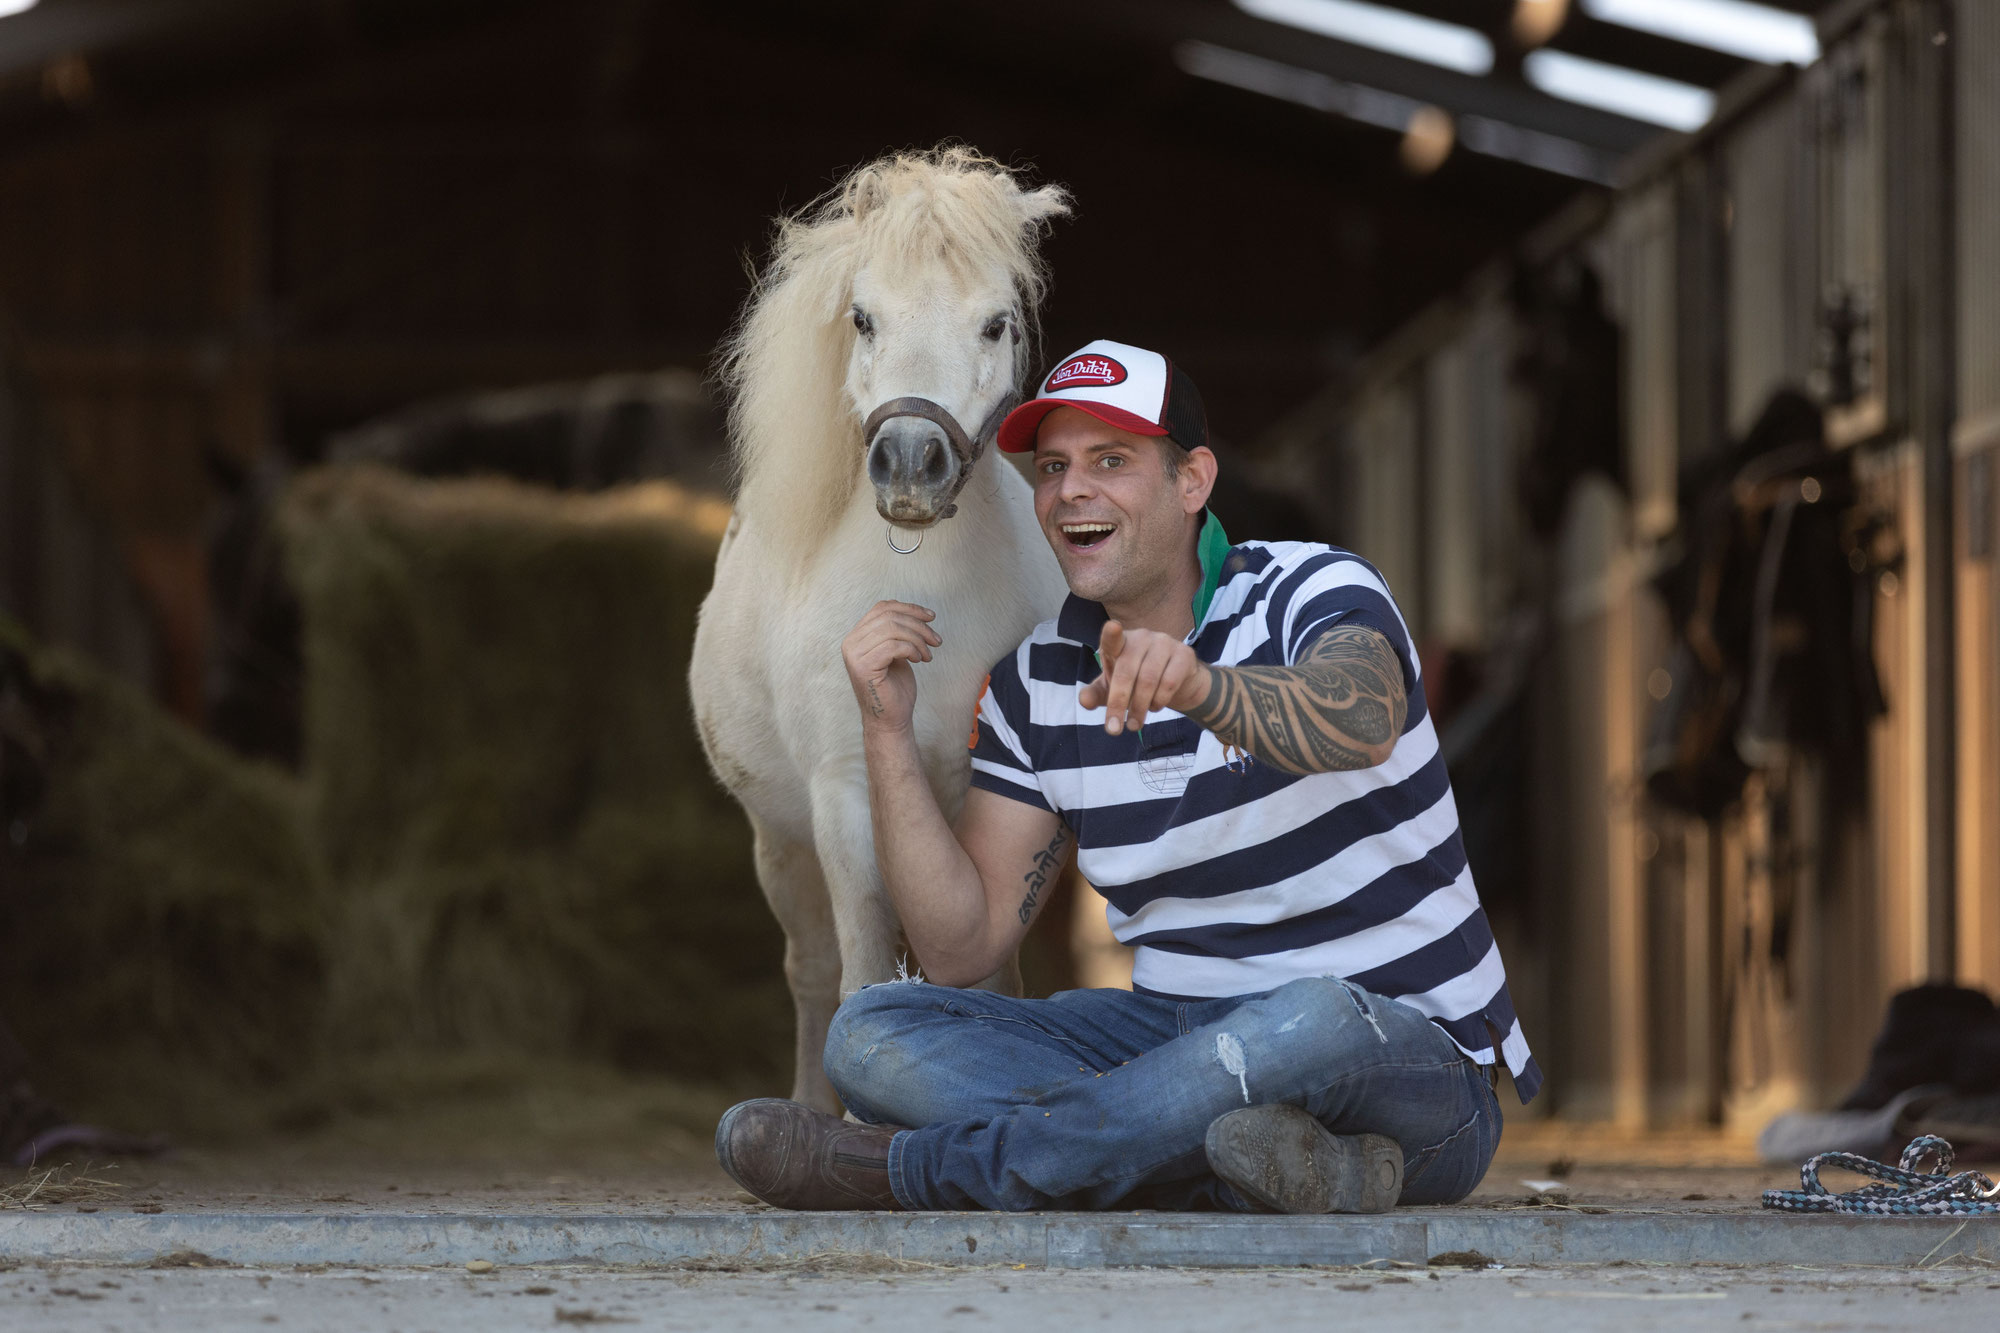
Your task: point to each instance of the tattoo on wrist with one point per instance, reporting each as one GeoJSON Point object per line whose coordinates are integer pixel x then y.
{"type": "Point", "coordinates": [874, 699]}
{"type": "Point", "coordinates": [1341, 701]}
{"type": "Point", "coordinates": [1047, 862]}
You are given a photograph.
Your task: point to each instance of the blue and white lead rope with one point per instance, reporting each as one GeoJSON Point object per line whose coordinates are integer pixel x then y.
{"type": "Point", "coordinates": [1904, 1191]}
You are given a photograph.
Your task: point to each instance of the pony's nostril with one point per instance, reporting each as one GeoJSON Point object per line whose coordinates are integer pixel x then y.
{"type": "Point", "coordinates": [880, 471]}
{"type": "Point", "coordinates": [912, 457]}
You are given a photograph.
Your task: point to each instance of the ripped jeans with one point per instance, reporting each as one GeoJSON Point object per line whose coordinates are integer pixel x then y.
{"type": "Point", "coordinates": [1100, 1098]}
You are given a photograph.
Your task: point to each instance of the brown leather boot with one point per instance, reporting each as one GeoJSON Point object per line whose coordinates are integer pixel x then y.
{"type": "Point", "coordinates": [792, 1156]}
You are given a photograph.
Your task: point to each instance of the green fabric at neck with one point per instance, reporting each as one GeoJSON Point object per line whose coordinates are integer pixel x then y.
{"type": "Point", "coordinates": [1210, 548]}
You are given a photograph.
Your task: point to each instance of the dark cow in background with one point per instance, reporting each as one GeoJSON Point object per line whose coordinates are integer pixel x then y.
{"type": "Point", "coordinates": [583, 436]}
{"type": "Point", "coordinates": [580, 435]}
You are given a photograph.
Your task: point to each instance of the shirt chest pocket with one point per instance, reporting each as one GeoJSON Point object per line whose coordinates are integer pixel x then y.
{"type": "Point", "coordinates": [1167, 754]}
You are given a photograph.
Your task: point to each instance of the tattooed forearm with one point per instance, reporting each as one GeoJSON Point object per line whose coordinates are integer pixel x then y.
{"type": "Point", "coordinates": [1047, 862]}
{"type": "Point", "coordinates": [1342, 706]}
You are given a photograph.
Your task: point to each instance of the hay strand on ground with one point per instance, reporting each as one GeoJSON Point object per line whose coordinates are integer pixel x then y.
{"type": "Point", "coordinates": [56, 1186]}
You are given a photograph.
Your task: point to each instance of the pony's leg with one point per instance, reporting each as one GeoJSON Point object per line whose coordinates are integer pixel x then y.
{"type": "Point", "coordinates": [864, 920]}
{"type": "Point", "coordinates": [863, 916]}
{"type": "Point", "coordinates": [792, 883]}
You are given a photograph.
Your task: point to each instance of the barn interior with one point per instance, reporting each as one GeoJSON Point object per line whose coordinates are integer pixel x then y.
{"type": "Point", "coordinates": [361, 470]}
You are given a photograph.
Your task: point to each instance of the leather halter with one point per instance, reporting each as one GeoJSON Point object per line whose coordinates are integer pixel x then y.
{"type": "Point", "coordinates": [968, 448]}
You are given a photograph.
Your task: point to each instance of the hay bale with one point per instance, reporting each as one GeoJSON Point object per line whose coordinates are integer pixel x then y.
{"type": "Point", "coordinates": [162, 915]}
{"type": "Point", "coordinates": [526, 846]}
{"type": "Point", "coordinates": [505, 855]}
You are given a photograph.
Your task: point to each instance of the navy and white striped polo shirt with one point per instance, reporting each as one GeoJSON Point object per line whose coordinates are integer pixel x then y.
{"type": "Point", "coordinates": [1228, 876]}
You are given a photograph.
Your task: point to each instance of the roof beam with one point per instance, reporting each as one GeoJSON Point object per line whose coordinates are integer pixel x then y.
{"type": "Point", "coordinates": [1583, 35]}
{"type": "Point", "coordinates": [50, 32]}
{"type": "Point", "coordinates": [1495, 99]}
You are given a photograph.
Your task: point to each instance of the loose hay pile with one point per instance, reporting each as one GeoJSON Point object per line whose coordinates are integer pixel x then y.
{"type": "Point", "coordinates": [505, 842]}
{"type": "Point", "coordinates": [161, 911]}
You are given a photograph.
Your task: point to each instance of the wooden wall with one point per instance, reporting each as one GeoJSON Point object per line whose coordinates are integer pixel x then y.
{"type": "Point", "coordinates": [1684, 971]}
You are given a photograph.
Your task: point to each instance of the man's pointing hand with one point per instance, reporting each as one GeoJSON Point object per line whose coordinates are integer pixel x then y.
{"type": "Point", "coordinates": [1143, 671]}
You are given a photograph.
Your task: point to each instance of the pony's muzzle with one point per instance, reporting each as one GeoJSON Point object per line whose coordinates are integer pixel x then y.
{"type": "Point", "coordinates": [914, 471]}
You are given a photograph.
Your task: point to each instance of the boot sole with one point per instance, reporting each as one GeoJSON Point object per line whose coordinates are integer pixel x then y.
{"type": "Point", "coordinates": [1285, 1160]}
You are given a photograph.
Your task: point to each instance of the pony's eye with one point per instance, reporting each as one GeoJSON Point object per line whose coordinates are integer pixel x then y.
{"type": "Point", "coordinates": [862, 324]}
{"type": "Point", "coordinates": [994, 328]}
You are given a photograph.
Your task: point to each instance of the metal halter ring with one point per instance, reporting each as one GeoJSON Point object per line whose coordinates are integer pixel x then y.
{"type": "Point", "coordinates": [901, 550]}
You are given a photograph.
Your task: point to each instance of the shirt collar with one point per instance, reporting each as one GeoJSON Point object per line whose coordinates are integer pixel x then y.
{"type": "Point", "coordinates": [1211, 548]}
{"type": "Point", "coordinates": [1082, 621]}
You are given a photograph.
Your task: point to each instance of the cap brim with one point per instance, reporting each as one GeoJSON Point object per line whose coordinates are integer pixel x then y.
{"type": "Point", "coordinates": [1017, 433]}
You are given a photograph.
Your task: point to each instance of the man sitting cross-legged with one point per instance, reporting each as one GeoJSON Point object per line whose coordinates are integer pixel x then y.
{"type": "Point", "coordinates": [1236, 740]}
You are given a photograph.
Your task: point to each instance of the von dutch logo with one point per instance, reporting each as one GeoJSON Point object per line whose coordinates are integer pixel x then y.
{"type": "Point", "coordinates": [1096, 370]}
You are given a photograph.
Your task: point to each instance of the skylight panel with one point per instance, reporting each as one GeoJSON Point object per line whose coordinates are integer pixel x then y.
{"type": "Point", "coordinates": [1390, 111]}
{"type": "Point", "coordinates": [1381, 28]}
{"type": "Point", "coordinates": [1627, 92]}
{"type": "Point", "coordinates": [1734, 27]}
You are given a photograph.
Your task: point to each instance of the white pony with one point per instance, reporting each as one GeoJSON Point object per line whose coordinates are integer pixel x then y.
{"type": "Point", "coordinates": [904, 300]}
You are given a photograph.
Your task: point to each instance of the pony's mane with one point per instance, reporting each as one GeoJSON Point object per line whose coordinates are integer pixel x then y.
{"type": "Point", "coordinates": [795, 438]}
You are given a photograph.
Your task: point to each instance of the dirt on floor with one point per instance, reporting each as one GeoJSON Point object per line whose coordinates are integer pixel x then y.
{"type": "Point", "coordinates": [1634, 1298]}
{"type": "Point", "coordinates": [593, 1141]}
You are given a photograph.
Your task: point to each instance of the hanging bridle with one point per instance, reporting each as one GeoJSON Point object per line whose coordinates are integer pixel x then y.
{"type": "Point", "coordinates": [968, 448]}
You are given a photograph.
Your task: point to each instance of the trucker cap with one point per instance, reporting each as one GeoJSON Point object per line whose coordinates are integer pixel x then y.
{"type": "Point", "coordinates": [1119, 384]}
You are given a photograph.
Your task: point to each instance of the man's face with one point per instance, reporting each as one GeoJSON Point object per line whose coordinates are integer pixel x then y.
{"type": "Point", "coordinates": [1117, 521]}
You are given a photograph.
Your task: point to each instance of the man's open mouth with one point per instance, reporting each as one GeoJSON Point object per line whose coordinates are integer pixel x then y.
{"type": "Point", "coordinates": [1083, 536]}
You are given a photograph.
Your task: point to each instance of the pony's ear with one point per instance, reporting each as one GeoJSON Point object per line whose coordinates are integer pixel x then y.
{"type": "Point", "coordinates": [865, 193]}
{"type": "Point", "coordinates": [1051, 201]}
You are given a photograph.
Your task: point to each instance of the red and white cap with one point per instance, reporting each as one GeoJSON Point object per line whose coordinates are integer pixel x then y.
{"type": "Point", "coordinates": [1119, 384]}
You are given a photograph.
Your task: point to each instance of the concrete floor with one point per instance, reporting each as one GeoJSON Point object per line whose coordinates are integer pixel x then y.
{"type": "Point", "coordinates": [587, 1152]}
{"type": "Point", "coordinates": [412, 1165]}
{"type": "Point", "coordinates": [103, 1300]}
{"type": "Point", "coordinates": [507, 1140]}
